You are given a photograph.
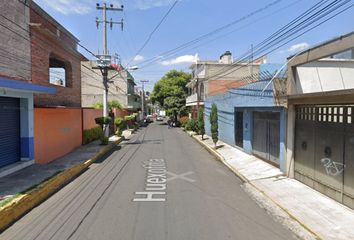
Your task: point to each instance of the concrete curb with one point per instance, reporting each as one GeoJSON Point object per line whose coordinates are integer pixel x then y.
{"type": "Point", "coordinates": [24, 203]}
{"type": "Point", "coordinates": [245, 180]}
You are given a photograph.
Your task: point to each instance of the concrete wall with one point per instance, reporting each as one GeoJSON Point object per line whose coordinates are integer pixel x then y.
{"type": "Point", "coordinates": [247, 99]}
{"type": "Point", "coordinates": [92, 86]}
{"type": "Point", "coordinates": [321, 51]}
{"type": "Point", "coordinates": [230, 72]}
{"type": "Point", "coordinates": [88, 117]}
{"type": "Point", "coordinates": [57, 131]}
{"type": "Point", "coordinates": [246, 96]}
{"type": "Point", "coordinates": [15, 53]}
{"type": "Point", "coordinates": [324, 75]}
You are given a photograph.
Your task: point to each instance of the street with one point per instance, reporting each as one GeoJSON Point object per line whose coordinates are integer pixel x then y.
{"type": "Point", "coordinates": [158, 185]}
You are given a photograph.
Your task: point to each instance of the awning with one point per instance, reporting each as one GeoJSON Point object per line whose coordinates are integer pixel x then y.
{"type": "Point", "coordinates": [25, 86]}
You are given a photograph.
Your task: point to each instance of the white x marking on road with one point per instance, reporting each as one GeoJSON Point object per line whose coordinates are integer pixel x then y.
{"type": "Point", "coordinates": [180, 176]}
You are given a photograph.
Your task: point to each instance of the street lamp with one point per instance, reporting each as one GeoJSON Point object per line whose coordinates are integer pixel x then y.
{"type": "Point", "coordinates": [132, 68]}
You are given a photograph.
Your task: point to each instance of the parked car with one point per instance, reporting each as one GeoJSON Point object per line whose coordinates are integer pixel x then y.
{"type": "Point", "coordinates": [148, 119]}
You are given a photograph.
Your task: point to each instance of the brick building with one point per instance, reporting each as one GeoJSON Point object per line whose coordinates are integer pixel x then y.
{"type": "Point", "coordinates": [16, 89]}
{"type": "Point", "coordinates": [55, 60]}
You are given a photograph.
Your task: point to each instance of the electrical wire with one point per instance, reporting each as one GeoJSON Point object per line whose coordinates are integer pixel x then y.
{"type": "Point", "coordinates": [154, 30]}
{"type": "Point", "coordinates": [285, 41]}
{"type": "Point", "coordinates": [265, 46]}
{"type": "Point", "coordinates": [209, 34]}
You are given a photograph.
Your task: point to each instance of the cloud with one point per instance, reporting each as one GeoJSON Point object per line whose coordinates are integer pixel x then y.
{"type": "Point", "coordinates": [180, 60]}
{"type": "Point", "coordinates": [67, 7]}
{"type": "Point", "coordinates": [147, 4]}
{"type": "Point", "coordinates": [298, 47]}
{"type": "Point", "coordinates": [138, 58]}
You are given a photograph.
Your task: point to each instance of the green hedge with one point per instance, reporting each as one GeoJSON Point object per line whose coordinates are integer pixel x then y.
{"type": "Point", "coordinates": [129, 118]}
{"type": "Point", "coordinates": [191, 125]}
{"type": "Point", "coordinates": [92, 134]}
{"type": "Point", "coordinates": [103, 120]}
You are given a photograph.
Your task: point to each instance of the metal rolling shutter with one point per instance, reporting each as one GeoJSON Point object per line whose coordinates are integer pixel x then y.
{"type": "Point", "coordinates": [9, 130]}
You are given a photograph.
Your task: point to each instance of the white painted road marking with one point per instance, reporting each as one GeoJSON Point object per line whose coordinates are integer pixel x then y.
{"type": "Point", "coordinates": [180, 176]}
{"type": "Point", "coordinates": [155, 181]}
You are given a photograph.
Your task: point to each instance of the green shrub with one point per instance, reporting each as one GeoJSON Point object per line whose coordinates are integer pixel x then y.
{"type": "Point", "coordinates": [92, 134]}
{"type": "Point", "coordinates": [129, 117]}
{"type": "Point", "coordinates": [214, 123]}
{"type": "Point", "coordinates": [104, 140]}
{"type": "Point", "coordinates": [191, 125]}
{"type": "Point", "coordinates": [121, 125]}
{"type": "Point", "coordinates": [103, 120]}
{"type": "Point", "coordinates": [184, 120]}
{"type": "Point", "coordinates": [201, 129]}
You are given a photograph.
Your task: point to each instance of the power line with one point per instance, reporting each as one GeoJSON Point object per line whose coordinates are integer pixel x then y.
{"type": "Point", "coordinates": [301, 27]}
{"type": "Point", "coordinates": [154, 30]}
{"type": "Point", "coordinates": [291, 39]}
{"type": "Point", "coordinates": [211, 33]}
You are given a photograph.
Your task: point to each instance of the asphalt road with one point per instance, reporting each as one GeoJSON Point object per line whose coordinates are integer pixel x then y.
{"type": "Point", "coordinates": [159, 185]}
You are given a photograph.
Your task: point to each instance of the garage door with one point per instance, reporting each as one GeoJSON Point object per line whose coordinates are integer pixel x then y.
{"type": "Point", "coordinates": [266, 136]}
{"type": "Point", "coordinates": [9, 130]}
{"type": "Point", "coordinates": [324, 150]}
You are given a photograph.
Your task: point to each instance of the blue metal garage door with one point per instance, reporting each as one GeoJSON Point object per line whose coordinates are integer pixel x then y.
{"type": "Point", "coordinates": [9, 130]}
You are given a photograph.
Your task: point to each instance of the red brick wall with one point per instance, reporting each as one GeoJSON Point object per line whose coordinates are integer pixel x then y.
{"type": "Point", "coordinates": [216, 87]}
{"type": "Point", "coordinates": [44, 42]}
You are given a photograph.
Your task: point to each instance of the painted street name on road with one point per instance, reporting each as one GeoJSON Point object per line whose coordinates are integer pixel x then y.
{"type": "Point", "coordinates": [155, 182]}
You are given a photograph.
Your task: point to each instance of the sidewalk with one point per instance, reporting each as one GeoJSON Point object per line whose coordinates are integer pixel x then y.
{"type": "Point", "coordinates": [28, 187]}
{"type": "Point", "coordinates": [319, 214]}
{"type": "Point", "coordinates": [28, 177]}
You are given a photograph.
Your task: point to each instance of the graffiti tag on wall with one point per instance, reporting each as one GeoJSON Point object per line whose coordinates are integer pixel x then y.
{"type": "Point", "coordinates": [332, 168]}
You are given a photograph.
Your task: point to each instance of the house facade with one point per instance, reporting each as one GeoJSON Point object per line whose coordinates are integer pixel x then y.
{"type": "Point", "coordinates": [214, 77]}
{"type": "Point", "coordinates": [253, 117]}
{"type": "Point", "coordinates": [56, 62]}
{"type": "Point", "coordinates": [320, 136]}
{"type": "Point", "coordinates": [121, 87]}
{"type": "Point", "coordinates": [16, 88]}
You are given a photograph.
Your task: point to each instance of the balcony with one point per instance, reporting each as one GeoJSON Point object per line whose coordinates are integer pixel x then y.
{"type": "Point", "coordinates": [192, 100]}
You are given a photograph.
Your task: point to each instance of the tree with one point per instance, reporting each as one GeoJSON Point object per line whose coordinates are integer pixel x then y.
{"type": "Point", "coordinates": [201, 129]}
{"type": "Point", "coordinates": [170, 92]}
{"type": "Point", "coordinates": [214, 123]}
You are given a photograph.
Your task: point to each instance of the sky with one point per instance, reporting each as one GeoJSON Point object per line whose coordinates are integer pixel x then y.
{"type": "Point", "coordinates": [188, 20]}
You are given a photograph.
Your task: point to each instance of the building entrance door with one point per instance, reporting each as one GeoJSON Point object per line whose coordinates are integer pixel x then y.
{"type": "Point", "coordinates": [266, 136]}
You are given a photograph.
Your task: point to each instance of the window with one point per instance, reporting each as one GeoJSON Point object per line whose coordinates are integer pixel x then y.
{"type": "Point", "coordinates": [348, 54]}
{"type": "Point", "coordinates": [59, 72]}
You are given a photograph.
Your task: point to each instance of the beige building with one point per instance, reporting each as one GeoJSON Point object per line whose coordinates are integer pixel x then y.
{"type": "Point", "coordinates": [320, 135]}
{"type": "Point", "coordinates": [122, 87]}
{"type": "Point", "coordinates": [215, 77]}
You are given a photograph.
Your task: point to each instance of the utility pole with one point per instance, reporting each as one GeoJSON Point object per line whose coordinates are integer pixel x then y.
{"type": "Point", "coordinates": [143, 97]}
{"type": "Point", "coordinates": [105, 59]}
{"type": "Point", "coordinates": [198, 87]}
